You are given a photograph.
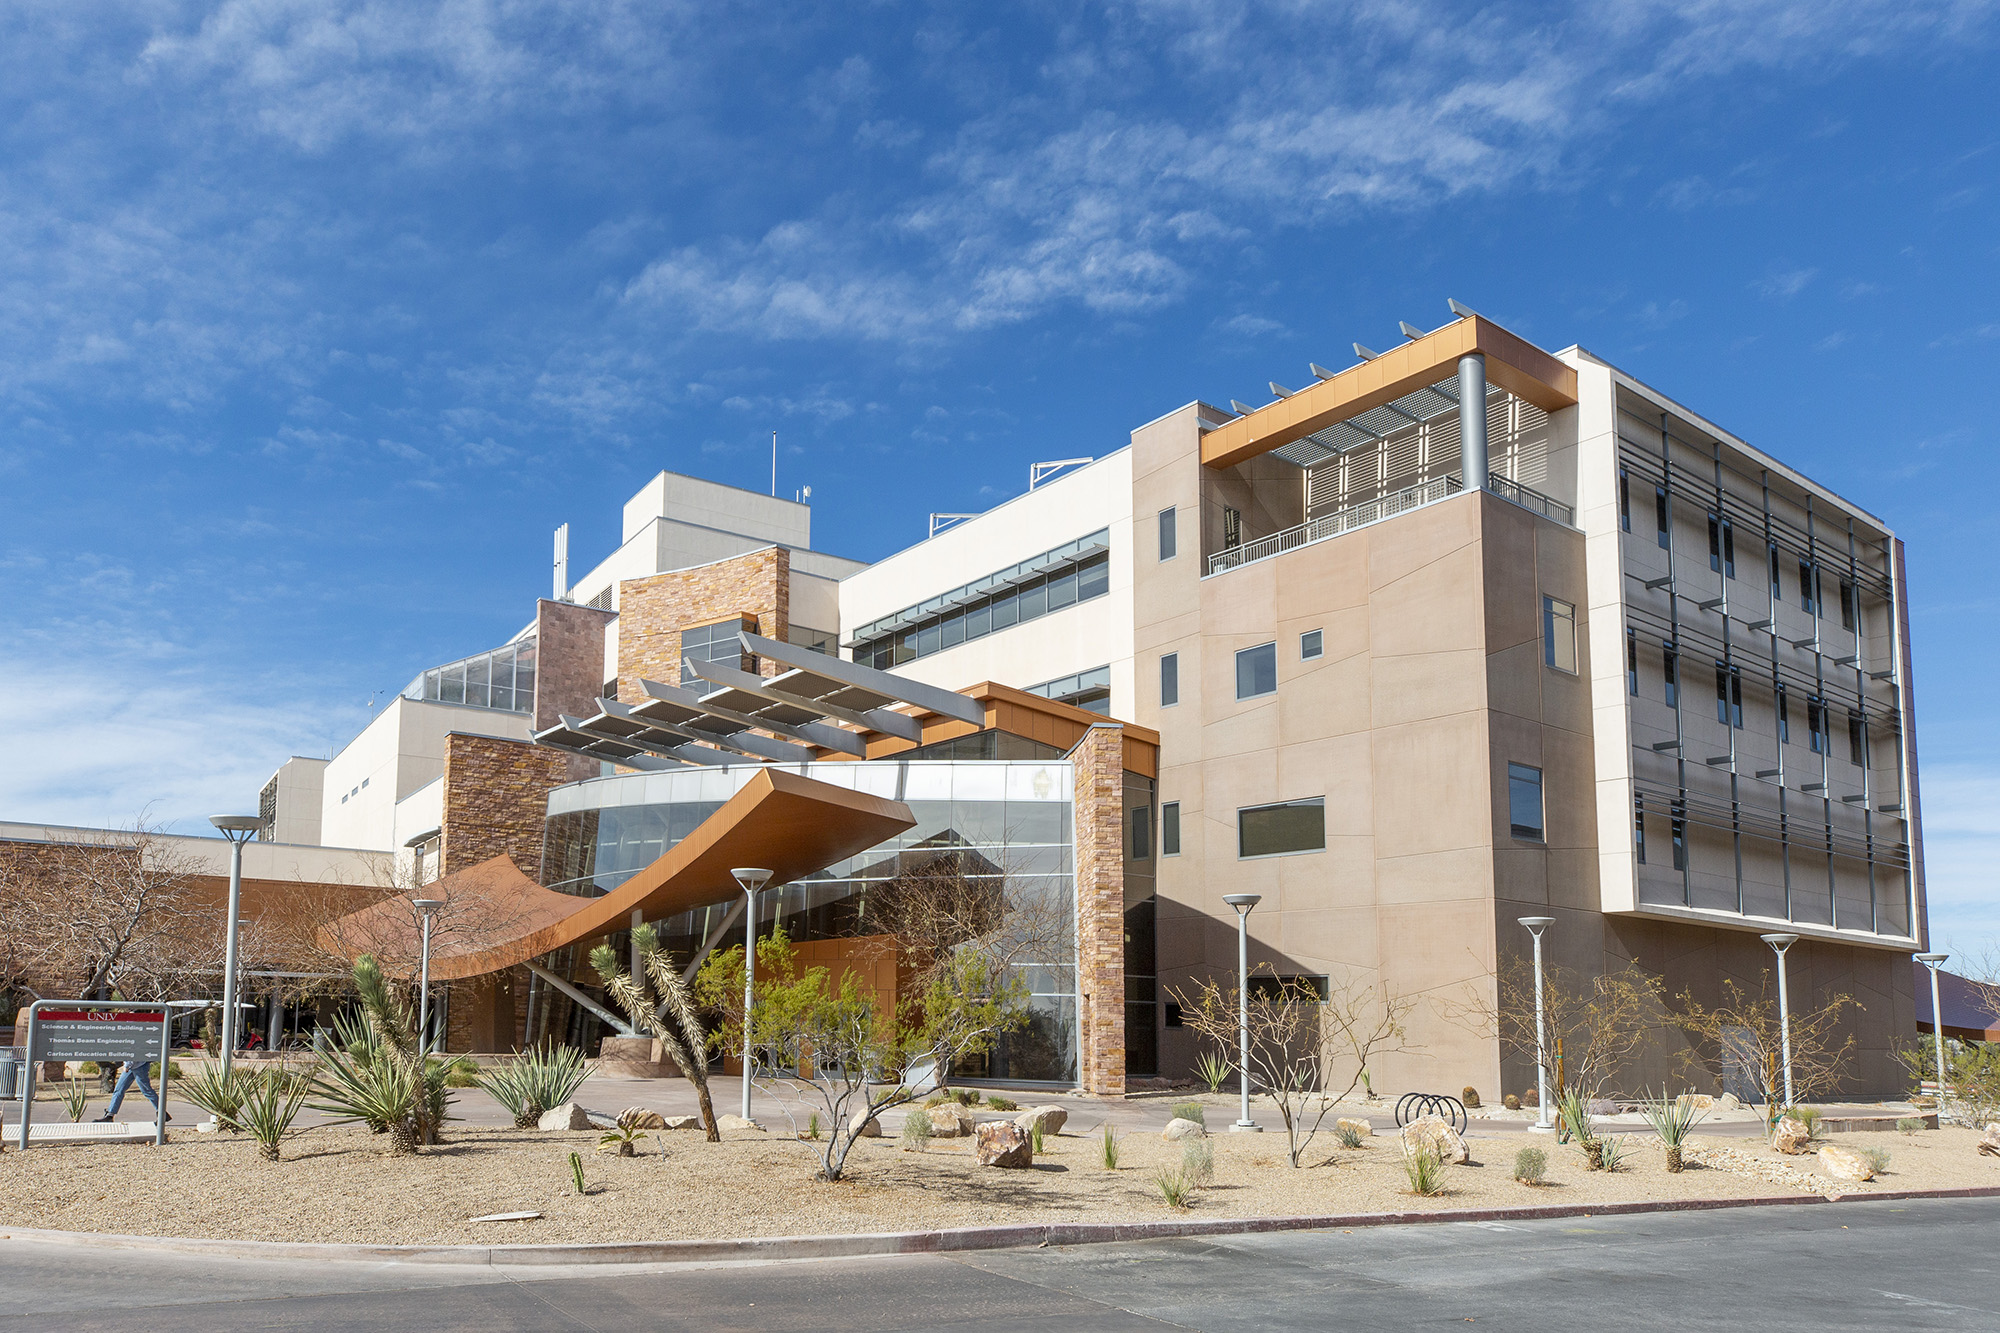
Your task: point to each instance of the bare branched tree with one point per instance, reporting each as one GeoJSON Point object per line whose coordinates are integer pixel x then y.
{"type": "Point", "coordinates": [1595, 1023]}
{"type": "Point", "coordinates": [1746, 1029]}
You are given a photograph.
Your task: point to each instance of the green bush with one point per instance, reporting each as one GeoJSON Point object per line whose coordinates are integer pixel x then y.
{"type": "Point", "coordinates": [1174, 1187]}
{"type": "Point", "coordinates": [1809, 1116]}
{"type": "Point", "coordinates": [1425, 1171]}
{"type": "Point", "coordinates": [1108, 1149]}
{"type": "Point", "coordinates": [1878, 1158]}
{"type": "Point", "coordinates": [540, 1079]}
{"type": "Point", "coordinates": [89, 1069]}
{"type": "Point", "coordinates": [1198, 1161]}
{"type": "Point", "coordinates": [1910, 1124]}
{"type": "Point", "coordinates": [917, 1130]}
{"type": "Point", "coordinates": [1191, 1111]}
{"type": "Point", "coordinates": [1531, 1166]}
{"type": "Point", "coordinates": [1001, 1104]}
{"type": "Point", "coordinates": [1349, 1136]}
{"type": "Point", "coordinates": [462, 1072]}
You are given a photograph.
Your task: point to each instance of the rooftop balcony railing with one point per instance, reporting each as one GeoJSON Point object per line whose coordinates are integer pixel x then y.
{"type": "Point", "coordinates": [1375, 511]}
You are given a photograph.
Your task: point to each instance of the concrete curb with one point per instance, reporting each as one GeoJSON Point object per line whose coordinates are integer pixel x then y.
{"type": "Point", "coordinates": [775, 1248]}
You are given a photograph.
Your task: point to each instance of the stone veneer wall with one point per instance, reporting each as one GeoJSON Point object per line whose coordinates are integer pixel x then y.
{"type": "Point", "coordinates": [652, 611]}
{"type": "Point", "coordinates": [496, 799]}
{"type": "Point", "coordinates": [569, 660]}
{"type": "Point", "coordinates": [1099, 760]}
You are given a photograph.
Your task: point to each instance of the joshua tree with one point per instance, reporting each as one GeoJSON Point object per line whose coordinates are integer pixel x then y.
{"type": "Point", "coordinates": [671, 1021]}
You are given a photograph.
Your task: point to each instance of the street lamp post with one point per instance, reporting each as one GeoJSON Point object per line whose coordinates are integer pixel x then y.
{"type": "Point", "coordinates": [427, 908]}
{"type": "Point", "coordinates": [751, 880]}
{"type": "Point", "coordinates": [1243, 902]}
{"type": "Point", "coordinates": [1780, 943]}
{"type": "Point", "coordinates": [1543, 1125]}
{"type": "Point", "coordinates": [1934, 961]}
{"type": "Point", "coordinates": [238, 829]}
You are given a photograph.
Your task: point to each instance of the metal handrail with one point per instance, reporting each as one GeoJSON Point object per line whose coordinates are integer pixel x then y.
{"type": "Point", "coordinates": [1529, 498]}
{"type": "Point", "coordinates": [1332, 525]}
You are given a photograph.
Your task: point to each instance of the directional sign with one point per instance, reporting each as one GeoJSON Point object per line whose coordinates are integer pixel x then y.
{"type": "Point", "coordinates": [104, 1035]}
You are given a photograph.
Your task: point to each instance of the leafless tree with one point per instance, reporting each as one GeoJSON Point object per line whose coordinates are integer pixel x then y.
{"type": "Point", "coordinates": [1747, 1027]}
{"type": "Point", "coordinates": [1594, 1023]}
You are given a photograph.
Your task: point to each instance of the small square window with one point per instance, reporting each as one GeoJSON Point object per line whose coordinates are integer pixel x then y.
{"type": "Point", "coordinates": [1559, 634]}
{"type": "Point", "coordinates": [1257, 671]}
{"type": "Point", "coordinates": [1524, 802]}
{"type": "Point", "coordinates": [1169, 542]}
{"type": "Point", "coordinates": [1170, 680]}
{"type": "Point", "coordinates": [1311, 644]}
{"type": "Point", "coordinates": [364, 783]}
{"type": "Point", "coordinates": [1170, 828]}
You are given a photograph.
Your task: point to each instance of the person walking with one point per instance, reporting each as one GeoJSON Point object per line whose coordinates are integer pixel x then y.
{"type": "Point", "coordinates": [136, 1071]}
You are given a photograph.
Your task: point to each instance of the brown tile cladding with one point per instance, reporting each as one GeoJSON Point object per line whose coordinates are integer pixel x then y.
{"type": "Point", "coordinates": [1100, 896]}
{"type": "Point", "coordinates": [653, 611]}
{"type": "Point", "coordinates": [569, 660]}
{"type": "Point", "coordinates": [496, 799]}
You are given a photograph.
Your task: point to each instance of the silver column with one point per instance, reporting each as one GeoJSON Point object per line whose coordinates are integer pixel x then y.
{"type": "Point", "coordinates": [1472, 418]}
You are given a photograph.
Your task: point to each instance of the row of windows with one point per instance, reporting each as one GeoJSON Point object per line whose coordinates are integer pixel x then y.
{"type": "Point", "coordinates": [1256, 668]}
{"type": "Point", "coordinates": [1286, 828]}
{"type": "Point", "coordinates": [502, 679]}
{"type": "Point", "coordinates": [1035, 598]}
{"type": "Point", "coordinates": [1722, 555]}
{"type": "Point", "coordinates": [1729, 702]}
{"type": "Point", "coordinates": [714, 643]}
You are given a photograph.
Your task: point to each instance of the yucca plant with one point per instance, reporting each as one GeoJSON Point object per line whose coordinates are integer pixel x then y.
{"type": "Point", "coordinates": [221, 1095]}
{"type": "Point", "coordinates": [1174, 1186]}
{"type": "Point", "coordinates": [1610, 1152]}
{"type": "Point", "coordinates": [1573, 1115]}
{"type": "Point", "coordinates": [1673, 1121]}
{"type": "Point", "coordinates": [1349, 1136]}
{"type": "Point", "coordinates": [76, 1098]}
{"type": "Point", "coordinates": [539, 1080]}
{"type": "Point", "coordinates": [380, 1073]}
{"type": "Point", "coordinates": [270, 1104]}
{"type": "Point", "coordinates": [1213, 1070]}
{"type": "Point", "coordinates": [369, 1090]}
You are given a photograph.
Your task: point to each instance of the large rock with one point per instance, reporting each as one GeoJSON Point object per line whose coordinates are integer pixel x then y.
{"type": "Point", "coordinates": [1360, 1127]}
{"type": "Point", "coordinates": [1184, 1129]}
{"type": "Point", "coordinates": [638, 1117]}
{"type": "Point", "coordinates": [567, 1116]}
{"type": "Point", "coordinates": [1050, 1118]}
{"type": "Point", "coordinates": [1791, 1136]}
{"type": "Point", "coordinates": [949, 1120]}
{"type": "Point", "coordinates": [1432, 1132]}
{"type": "Point", "coordinates": [872, 1129]}
{"type": "Point", "coordinates": [1845, 1163]}
{"type": "Point", "coordinates": [1004, 1143]}
{"type": "Point", "coordinates": [1989, 1145]}
{"type": "Point", "coordinates": [729, 1122]}
{"type": "Point", "coordinates": [683, 1122]}
{"type": "Point", "coordinates": [1728, 1101]}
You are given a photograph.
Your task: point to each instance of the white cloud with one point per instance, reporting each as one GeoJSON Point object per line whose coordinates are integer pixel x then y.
{"type": "Point", "coordinates": [1786, 283]}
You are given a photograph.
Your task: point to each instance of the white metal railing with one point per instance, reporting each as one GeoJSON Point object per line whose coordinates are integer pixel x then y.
{"type": "Point", "coordinates": [1339, 521]}
{"type": "Point", "coordinates": [1374, 511]}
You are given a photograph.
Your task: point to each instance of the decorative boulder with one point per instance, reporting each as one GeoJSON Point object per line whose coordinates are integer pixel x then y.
{"type": "Point", "coordinates": [1599, 1106]}
{"type": "Point", "coordinates": [638, 1117]}
{"type": "Point", "coordinates": [1361, 1127]}
{"type": "Point", "coordinates": [1432, 1132]}
{"type": "Point", "coordinates": [1051, 1119]}
{"type": "Point", "coordinates": [949, 1120]}
{"type": "Point", "coordinates": [567, 1116]}
{"type": "Point", "coordinates": [1845, 1163]}
{"type": "Point", "coordinates": [1728, 1101]}
{"type": "Point", "coordinates": [683, 1122]}
{"type": "Point", "coordinates": [871, 1130]}
{"type": "Point", "coordinates": [729, 1122]}
{"type": "Point", "coordinates": [1989, 1146]}
{"type": "Point", "coordinates": [1791, 1136]}
{"type": "Point", "coordinates": [1004, 1143]}
{"type": "Point", "coordinates": [1184, 1129]}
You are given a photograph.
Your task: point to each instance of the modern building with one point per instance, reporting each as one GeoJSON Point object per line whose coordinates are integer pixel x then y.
{"type": "Point", "coordinates": [1466, 632]}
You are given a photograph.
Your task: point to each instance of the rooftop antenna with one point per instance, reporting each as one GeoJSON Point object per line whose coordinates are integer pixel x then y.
{"type": "Point", "coordinates": [562, 563]}
{"type": "Point", "coordinates": [774, 465]}
{"type": "Point", "coordinates": [1041, 472]}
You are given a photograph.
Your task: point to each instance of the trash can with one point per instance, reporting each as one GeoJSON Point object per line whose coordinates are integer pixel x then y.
{"type": "Point", "coordinates": [10, 1072]}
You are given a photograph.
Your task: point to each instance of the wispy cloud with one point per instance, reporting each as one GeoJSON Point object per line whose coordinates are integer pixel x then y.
{"type": "Point", "coordinates": [1784, 284]}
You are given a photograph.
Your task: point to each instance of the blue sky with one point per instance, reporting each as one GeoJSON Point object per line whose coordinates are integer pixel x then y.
{"type": "Point", "coordinates": [316, 318]}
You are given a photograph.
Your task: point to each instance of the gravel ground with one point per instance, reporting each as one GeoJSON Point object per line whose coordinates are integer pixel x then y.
{"type": "Point", "coordinates": [338, 1184]}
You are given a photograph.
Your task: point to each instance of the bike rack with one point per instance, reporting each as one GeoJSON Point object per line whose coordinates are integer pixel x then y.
{"type": "Point", "coordinates": [1416, 1105]}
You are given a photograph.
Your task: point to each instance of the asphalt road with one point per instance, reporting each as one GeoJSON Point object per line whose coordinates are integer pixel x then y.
{"type": "Point", "coordinates": [1913, 1265]}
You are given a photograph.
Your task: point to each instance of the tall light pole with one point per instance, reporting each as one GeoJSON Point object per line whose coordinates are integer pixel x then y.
{"type": "Point", "coordinates": [1934, 961]}
{"type": "Point", "coordinates": [239, 829]}
{"type": "Point", "coordinates": [1543, 1125]}
{"type": "Point", "coordinates": [427, 908]}
{"type": "Point", "coordinates": [751, 880]}
{"type": "Point", "coordinates": [1243, 902]}
{"type": "Point", "coordinates": [1780, 943]}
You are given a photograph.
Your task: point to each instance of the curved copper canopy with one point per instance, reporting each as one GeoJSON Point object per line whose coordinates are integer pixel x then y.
{"type": "Point", "coordinates": [792, 825]}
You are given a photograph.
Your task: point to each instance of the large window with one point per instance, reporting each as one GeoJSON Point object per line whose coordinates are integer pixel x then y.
{"type": "Point", "coordinates": [1524, 802]}
{"type": "Point", "coordinates": [502, 679]}
{"type": "Point", "coordinates": [1257, 671]}
{"type": "Point", "coordinates": [713, 643]}
{"type": "Point", "coordinates": [1170, 680]}
{"type": "Point", "coordinates": [1282, 829]}
{"type": "Point", "coordinates": [1076, 572]}
{"type": "Point", "coordinates": [1559, 634]}
{"type": "Point", "coordinates": [1089, 690]}
{"type": "Point", "coordinates": [1169, 541]}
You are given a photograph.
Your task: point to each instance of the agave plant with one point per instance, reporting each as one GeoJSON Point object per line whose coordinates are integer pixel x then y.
{"type": "Point", "coordinates": [270, 1105]}
{"type": "Point", "coordinates": [76, 1098]}
{"type": "Point", "coordinates": [1573, 1114]}
{"type": "Point", "coordinates": [220, 1094]}
{"type": "Point", "coordinates": [1213, 1070]}
{"type": "Point", "coordinates": [542, 1078]}
{"type": "Point", "coordinates": [380, 1072]}
{"type": "Point", "coordinates": [1673, 1121]}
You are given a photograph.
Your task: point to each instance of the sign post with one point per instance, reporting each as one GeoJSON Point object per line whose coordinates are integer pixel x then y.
{"type": "Point", "coordinates": [107, 1031]}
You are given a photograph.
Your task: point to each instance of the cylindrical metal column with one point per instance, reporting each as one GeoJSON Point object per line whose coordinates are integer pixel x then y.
{"type": "Point", "coordinates": [229, 954]}
{"type": "Point", "coordinates": [424, 990]}
{"type": "Point", "coordinates": [1472, 419]}
{"type": "Point", "coordinates": [749, 988]}
{"type": "Point", "coordinates": [1785, 1028]}
{"type": "Point", "coordinates": [1243, 1120]}
{"type": "Point", "coordinates": [1541, 1050]}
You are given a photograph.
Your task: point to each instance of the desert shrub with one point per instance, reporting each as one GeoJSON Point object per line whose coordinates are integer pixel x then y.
{"type": "Point", "coordinates": [1910, 1124]}
{"type": "Point", "coordinates": [1470, 1096]}
{"type": "Point", "coordinates": [1531, 1166]}
{"type": "Point", "coordinates": [1198, 1161]}
{"type": "Point", "coordinates": [1035, 1137]}
{"type": "Point", "coordinates": [1878, 1158]}
{"type": "Point", "coordinates": [1108, 1148]}
{"type": "Point", "coordinates": [1213, 1070]}
{"type": "Point", "coordinates": [540, 1079]}
{"type": "Point", "coordinates": [917, 1130]}
{"type": "Point", "coordinates": [1610, 1153]}
{"type": "Point", "coordinates": [75, 1099]}
{"type": "Point", "coordinates": [271, 1102]}
{"type": "Point", "coordinates": [1809, 1116]}
{"type": "Point", "coordinates": [965, 1097]}
{"type": "Point", "coordinates": [1349, 1136]}
{"type": "Point", "coordinates": [1191, 1111]}
{"type": "Point", "coordinates": [1001, 1104]}
{"type": "Point", "coordinates": [937, 1099]}
{"type": "Point", "coordinates": [1425, 1171]}
{"type": "Point", "coordinates": [89, 1069]}
{"type": "Point", "coordinates": [462, 1072]}
{"type": "Point", "coordinates": [1174, 1186]}
{"type": "Point", "coordinates": [812, 1126]}
{"type": "Point", "coordinates": [219, 1094]}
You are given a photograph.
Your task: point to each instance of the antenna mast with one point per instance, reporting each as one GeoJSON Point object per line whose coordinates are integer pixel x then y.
{"type": "Point", "coordinates": [774, 464]}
